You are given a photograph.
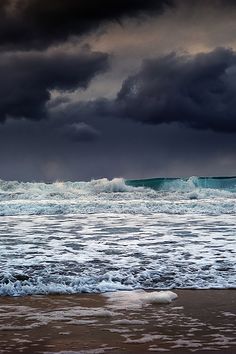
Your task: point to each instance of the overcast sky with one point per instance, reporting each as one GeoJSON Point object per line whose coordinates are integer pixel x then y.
{"type": "Point", "coordinates": [127, 88]}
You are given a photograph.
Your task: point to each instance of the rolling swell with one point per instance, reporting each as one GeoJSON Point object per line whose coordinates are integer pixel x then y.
{"type": "Point", "coordinates": [227, 183]}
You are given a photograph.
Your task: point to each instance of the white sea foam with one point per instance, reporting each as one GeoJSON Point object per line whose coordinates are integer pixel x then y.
{"type": "Point", "coordinates": [139, 298]}
{"type": "Point", "coordinates": [92, 253]}
{"type": "Point", "coordinates": [146, 338]}
{"type": "Point", "coordinates": [127, 322]}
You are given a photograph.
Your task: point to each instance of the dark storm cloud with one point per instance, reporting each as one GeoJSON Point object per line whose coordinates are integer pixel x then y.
{"type": "Point", "coordinates": [39, 23]}
{"type": "Point", "coordinates": [27, 78]}
{"type": "Point", "coordinates": [197, 91]}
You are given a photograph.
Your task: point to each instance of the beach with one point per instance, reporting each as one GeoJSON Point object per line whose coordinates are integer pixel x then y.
{"type": "Point", "coordinates": [117, 176]}
{"type": "Point", "coordinates": [199, 321]}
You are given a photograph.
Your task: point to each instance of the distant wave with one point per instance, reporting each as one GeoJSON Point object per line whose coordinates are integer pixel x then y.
{"type": "Point", "coordinates": [175, 184]}
{"type": "Point", "coordinates": [214, 195]}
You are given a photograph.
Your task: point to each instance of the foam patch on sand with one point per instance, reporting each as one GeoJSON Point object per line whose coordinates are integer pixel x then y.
{"type": "Point", "coordinates": [127, 322]}
{"type": "Point", "coordinates": [144, 339]}
{"type": "Point", "coordinates": [139, 298]}
{"type": "Point", "coordinates": [85, 351]}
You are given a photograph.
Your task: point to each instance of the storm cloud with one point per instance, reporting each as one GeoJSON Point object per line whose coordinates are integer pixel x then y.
{"type": "Point", "coordinates": [197, 91]}
{"type": "Point", "coordinates": [129, 88]}
{"type": "Point", "coordinates": [27, 78]}
{"type": "Point", "coordinates": [39, 23]}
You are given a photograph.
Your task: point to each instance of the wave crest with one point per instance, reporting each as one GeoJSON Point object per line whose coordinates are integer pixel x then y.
{"type": "Point", "coordinates": [172, 196]}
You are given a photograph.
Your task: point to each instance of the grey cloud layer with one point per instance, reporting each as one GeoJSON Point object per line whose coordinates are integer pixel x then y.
{"type": "Point", "coordinates": [80, 132]}
{"type": "Point", "coordinates": [125, 148]}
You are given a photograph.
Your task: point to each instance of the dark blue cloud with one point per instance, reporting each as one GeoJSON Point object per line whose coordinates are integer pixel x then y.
{"type": "Point", "coordinates": [27, 78]}
{"type": "Point", "coordinates": [196, 91]}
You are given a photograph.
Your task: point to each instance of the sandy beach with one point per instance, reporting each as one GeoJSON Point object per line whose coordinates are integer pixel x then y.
{"type": "Point", "coordinates": [198, 320]}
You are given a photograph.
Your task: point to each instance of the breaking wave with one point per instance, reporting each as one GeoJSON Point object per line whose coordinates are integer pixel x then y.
{"type": "Point", "coordinates": [214, 195]}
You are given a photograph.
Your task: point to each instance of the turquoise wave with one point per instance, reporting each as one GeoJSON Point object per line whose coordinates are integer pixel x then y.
{"type": "Point", "coordinates": [226, 183]}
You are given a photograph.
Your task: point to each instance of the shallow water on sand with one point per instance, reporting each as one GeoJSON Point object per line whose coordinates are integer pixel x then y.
{"type": "Point", "coordinates": [197, 321]}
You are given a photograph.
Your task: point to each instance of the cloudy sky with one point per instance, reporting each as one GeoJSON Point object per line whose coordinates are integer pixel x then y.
{"type": "Point", "coordinates": [122, 88]}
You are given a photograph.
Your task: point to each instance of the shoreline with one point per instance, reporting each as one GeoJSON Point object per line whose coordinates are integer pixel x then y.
{"type": "Point", "coordinates": [198, 321]}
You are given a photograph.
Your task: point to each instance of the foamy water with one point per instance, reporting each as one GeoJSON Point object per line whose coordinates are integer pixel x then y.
{"type": "Point", "coordinates": [105, 235]}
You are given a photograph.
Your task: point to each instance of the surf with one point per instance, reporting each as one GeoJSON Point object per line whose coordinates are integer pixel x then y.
{"type": "Point", "coordinates": [208, 195]}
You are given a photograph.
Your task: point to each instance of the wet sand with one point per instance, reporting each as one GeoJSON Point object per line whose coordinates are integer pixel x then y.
{"type": "Point", "coordinates": [201, 321]}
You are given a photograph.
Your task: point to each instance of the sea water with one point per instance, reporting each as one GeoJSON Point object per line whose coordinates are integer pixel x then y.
{"type": "Point", "coordinates": [107, 235]}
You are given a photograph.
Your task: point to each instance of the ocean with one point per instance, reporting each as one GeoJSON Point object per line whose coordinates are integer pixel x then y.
{"type": "Point", "coordinates": [107, 235]}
